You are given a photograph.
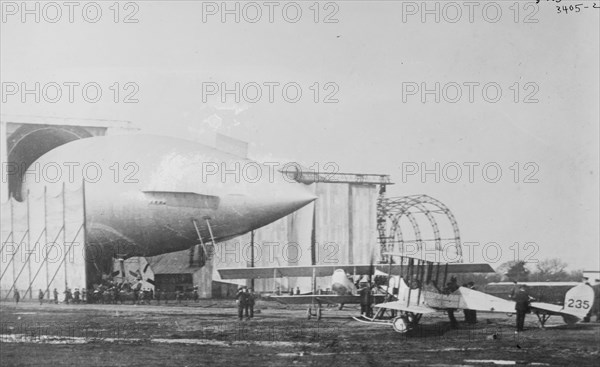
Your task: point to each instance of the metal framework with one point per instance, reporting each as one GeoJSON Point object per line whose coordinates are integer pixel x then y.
{"type": "Point", "coordinates": [390, 212]}
{"type": "Point", "coordinates": [25, 240]}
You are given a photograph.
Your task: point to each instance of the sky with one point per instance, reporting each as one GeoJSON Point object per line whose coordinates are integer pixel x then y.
{"type": "Point", "coordinates": [374, 63]}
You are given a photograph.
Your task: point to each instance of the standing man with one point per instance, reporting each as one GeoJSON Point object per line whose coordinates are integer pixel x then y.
{"type": "Point", "coordinates": [470, 315]}
{"type": "Point", "coordinates": [250, 303]}
{"type": "Point", "coordinates": [76, 295]}
{"type": "Point", "coordinates": [521, 306]}
{"type": "Point", "coordinates": [365, 300]}
{"type": "Point", "coordinates": [41, 296]}
{"type": "Point", "coordinates": [17, 296]}
{"type": "Point", "coordinates": [241, 300]}
{"type": "Point", "coordinates": [55, 296]}
{"type": "Point", "coordinates": [451, 287]}
{"type": "Point", "coordinates": [67, 295]}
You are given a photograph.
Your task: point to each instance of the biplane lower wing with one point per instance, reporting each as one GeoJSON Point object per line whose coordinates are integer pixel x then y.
{"type": "Point", "coordinates": [401, 306]}
{"type": "Point", "coordinates": [322, 298]}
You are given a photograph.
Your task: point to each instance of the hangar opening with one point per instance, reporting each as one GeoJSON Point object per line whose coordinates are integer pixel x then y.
{"type": "Point", "coordinates": [30, 142]}
{"type": "Point", "coordinates": [41, 238]}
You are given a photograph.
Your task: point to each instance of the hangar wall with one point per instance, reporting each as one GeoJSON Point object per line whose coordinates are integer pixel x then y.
{"type": "Point", "coordinates": [42, 244]}
{"type": "Point", "coordinates": [50, 226]}
{"type": "Point", "coordinates": [345, 229]}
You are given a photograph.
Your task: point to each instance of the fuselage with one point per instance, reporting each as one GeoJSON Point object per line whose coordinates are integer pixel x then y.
{"type": "Point", "coordinates": [146, 195]}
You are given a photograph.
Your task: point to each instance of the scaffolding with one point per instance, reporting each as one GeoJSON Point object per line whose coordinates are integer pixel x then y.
{"type": "Point", "coordinates": [43, 243]}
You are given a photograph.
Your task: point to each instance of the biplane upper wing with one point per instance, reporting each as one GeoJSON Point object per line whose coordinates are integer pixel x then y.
{"type": "Point", "coordinates": [327, 270]}
{"type": "Point", "coordinates": [453, 268]}
{"type": "Point", "coordinates": [289, 271]}
{"type": "Point", "coordinates": [321, 298]}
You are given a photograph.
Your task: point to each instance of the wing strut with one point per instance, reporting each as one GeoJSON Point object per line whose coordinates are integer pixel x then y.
{"type": "Point", "coordinates": [410, 271]}
{"type": "Point", "coordinates": [420, 279]}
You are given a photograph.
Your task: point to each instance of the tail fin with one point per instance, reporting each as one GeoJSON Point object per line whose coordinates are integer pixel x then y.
{"type": "Point", "coordinates": [579, 300]}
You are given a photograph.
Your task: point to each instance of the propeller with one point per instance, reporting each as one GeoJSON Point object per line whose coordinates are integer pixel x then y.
{"type": "Point", "coordinates": [140, 277]}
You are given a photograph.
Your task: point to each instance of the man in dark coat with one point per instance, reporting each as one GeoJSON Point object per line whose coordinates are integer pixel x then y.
{"type": "Point", "coordinates": [241, 300]}
{"type": "Point", "coordinates": [521, 299]}
{"type": "Point", "coordinates": [249, 303]}
{"type": "Point", "coordinates": [67, 295]}
{"type": "Point", "coordinates": [365, 300]}
{"type": "Point", "coordinates": [451, 287]}
{"type": "Point", "coordinates": [470, 315]}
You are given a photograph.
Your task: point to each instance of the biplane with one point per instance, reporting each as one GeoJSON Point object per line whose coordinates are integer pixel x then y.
{"type": "Point", "coordinates": [344, 279]}
{"type": "Point", "coordinates": [424, 296]}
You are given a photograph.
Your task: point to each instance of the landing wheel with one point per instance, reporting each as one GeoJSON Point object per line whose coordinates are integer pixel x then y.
{"type": "Point", "coordinates": [400, 324]}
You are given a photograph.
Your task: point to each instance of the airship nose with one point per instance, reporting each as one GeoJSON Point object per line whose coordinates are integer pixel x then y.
{"type": "Point", "coordinates": [271, 199]}
{"type": "Point", "coordinates": [285, 198]}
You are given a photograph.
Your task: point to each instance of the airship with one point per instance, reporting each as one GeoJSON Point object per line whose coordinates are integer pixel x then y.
{"type": "Point", "coordinates": [148, 195]}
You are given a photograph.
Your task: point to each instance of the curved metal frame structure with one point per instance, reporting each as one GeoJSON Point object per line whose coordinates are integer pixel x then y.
{"type": "Point", "coordinates": [390, 211]}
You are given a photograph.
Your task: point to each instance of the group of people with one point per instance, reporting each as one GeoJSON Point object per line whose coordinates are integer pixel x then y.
{"type": "Point", "coordinates": [70, 296]}
{"type": "Point", "coordinates": [118, 294]}
{"type": "Point", "coordinates": [245, 299]}
{"type": "Point", "coordinates": [470, 315]}
{"type": "Point", "coordinates": [114, 294]}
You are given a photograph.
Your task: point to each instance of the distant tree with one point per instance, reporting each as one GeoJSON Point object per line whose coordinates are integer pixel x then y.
{"type": "Point", "coordinates": [574, 276]}
{"type": "Point", "coordinates": [550, 270]}
{"type": "Point", "coordinates": [515, 271]}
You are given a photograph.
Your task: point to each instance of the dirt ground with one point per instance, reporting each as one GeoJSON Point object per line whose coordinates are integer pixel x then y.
{"type": "Point", "coordinates": [209, 333]}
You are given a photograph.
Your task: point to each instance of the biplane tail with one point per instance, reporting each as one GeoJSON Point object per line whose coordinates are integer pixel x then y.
{"type": "Point", "coordinates": [579, 300]}
{"type": "Point", "coordinates": [578, 303]}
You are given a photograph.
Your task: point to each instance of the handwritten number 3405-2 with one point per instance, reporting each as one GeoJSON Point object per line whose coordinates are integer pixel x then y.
{"type": "Point", "coordinates": [576, 8]}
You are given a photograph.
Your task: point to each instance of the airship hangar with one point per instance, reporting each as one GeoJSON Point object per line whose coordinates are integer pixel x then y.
{"type": "Point", "coordinates": [46, 243]}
